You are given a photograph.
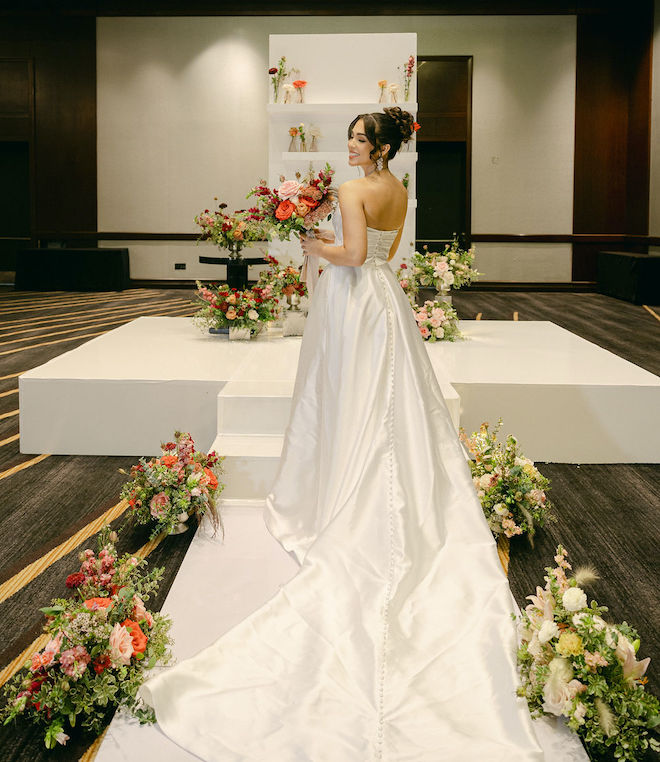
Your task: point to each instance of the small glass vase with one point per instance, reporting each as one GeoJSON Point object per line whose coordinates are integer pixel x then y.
{"type": "Point", "coordinates": [382, 98]}
{"type": "Point", "coordinates": [313, 146]}
{"type": "Point", "coordinates": [239, 333]}
{"type": "Point", "coordinates": [293, 144]}
{"type": "Point", "coordinates": [300, 94]}
{"type": "Point", "coordinates": [181, 526]}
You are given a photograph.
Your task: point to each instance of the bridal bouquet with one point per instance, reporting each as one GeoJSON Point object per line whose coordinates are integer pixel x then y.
{"type": "Point", "coordinates": [437, 320]}
{"type": "Point", "coordinates": [233, 231]}
{"type": "Point", "coordinates": [450, 269]}
{"type": "Point", "coordinates": [295, 206]}
{"type": "Point", "coordinates": [222, 306]}
{"type": "Point", "coordinates": [169, 489]}
{"type": "Point", "coordinates": [511, 489]}
{"type": "Point", "coordinates": [576, 665]}
{"type": "Point", "coordinates": [101, 643]}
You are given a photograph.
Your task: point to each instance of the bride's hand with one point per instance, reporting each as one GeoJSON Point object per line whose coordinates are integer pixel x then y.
{"type": "Point", "coordinates": [311, 246]}
{"type": "Point", "coordinates": [325, 234]}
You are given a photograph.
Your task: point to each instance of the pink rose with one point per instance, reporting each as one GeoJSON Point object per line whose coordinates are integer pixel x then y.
{"type": "Point", "coordinates": [159, 504]}
{"type": "Point", "coordinates": [74, 661]}
{"type": "Point", "coordinates": [424, 331]}
{"type": "Point", "coordinates": [288, 189]}
{"type": "Point", "coordinates": [121, 646]}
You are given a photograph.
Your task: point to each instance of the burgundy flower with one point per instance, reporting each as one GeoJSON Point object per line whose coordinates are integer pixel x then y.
{"type": "Point", "coordinates": [75, 580]}
{"type": "Point", "coordinates": [272, 70]}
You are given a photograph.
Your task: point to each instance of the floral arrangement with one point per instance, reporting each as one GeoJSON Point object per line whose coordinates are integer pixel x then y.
{"type": "Point", "coordinates": [169, 489]}
{"type": "Point", "coordinates": [282, 279]}
{"type": "Point", "coordinates": [511, 489]}
{"type": "Point", "coordinates": [382, 84]}
{"type": "Point", "coordinates": [437, 320]}
{"type": "Point", "coordinates": [303, 136]}
{"type": "Point", "coordinates": [576, 665]}
{"type": "Point", "coordinates": [409, 69]}
{"type": "Point", "coordinates": [293, 144]}
{"type": "Point", "coordinates": [394, 89]}
{"type": "Point", "coordinates": [296, 206]}
{"type": "Point", "coordinates": [233, 231]}
{"type": "Point", "coordinates": [222, 306]}
{"type": "Point", "coordinates": [315, 134]}
{"type": "Point", "coordinates": [450, 269]}
{"type": "Point", "coordinates": [277, 74]}
{"type": "Point", "coordinates": [101, 643]}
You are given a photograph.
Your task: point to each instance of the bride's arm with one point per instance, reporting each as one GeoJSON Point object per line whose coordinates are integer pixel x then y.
{"type": "Point", "coordinates": [395, 245]}
{"type": "Point", "coordinates": [353, 251]}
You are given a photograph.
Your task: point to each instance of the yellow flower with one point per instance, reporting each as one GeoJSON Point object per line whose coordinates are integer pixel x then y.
{"type": "Point", "coordinates": [569, 644]}
{"type": "Point", "coordinates": [529, 469]}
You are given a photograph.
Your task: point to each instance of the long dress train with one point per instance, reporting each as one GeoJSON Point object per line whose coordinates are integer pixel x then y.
{"type": "Point", "coordinates": [394, 641]}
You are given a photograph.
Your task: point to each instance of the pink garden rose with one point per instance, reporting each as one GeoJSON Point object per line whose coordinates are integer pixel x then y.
{"type": "Point", "coordinates": [288, 189]}
{"type": "Point", "coordinates": [424, 331]}
{"type": "Point", "coordinates": [159, 504]}
{"type": "Point", "coordinates": [121, 646]}
{"type": "Point", "coordinates": [74, 661]}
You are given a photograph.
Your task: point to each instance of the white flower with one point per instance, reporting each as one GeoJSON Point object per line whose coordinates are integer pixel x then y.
{"type": "Point", "coordinates": [484, 481]}
{"type": "Point", "coordinates": [599, 622]}
{"type": "Point", "coordinates": [62, 738]}
{"type": "Point", "coordinates": [253, 315]}
{"type": "Point", "coordinates": [579, 713]}
{"type": "Point", "coordinates": [574, 599]}
{"type": "Point", "coordinates": [500, 509]}
{"type": "Point", "coordinates": [548, 631]}
{"type": "Point", "coordinates": [556, 692]}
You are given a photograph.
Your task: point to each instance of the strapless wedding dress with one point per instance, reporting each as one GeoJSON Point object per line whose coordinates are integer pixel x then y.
{"type": "Point", "coordinates": [394, 640]}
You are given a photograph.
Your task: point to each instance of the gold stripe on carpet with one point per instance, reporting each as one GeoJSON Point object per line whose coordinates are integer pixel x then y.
{"type": "Point", "coordinates": [12, 668]}
{"type": "Point", "coordinates": [515, 316]}
{"type": "Point", "coordinates": [503, 552]}
{"type": "Point", "coordinates": [6, 394]}
{"type": "Point", "coordinates": [82, 297]}
{"type": "Point", "coordinates": [13, 375]}
{"type": "Point", "coordinates": [9, 414]}
{"type": "Point", "coordinates": [9, 439]}
{"type": "Point", "coordinates": [33, 570]}
{"type": "Point", "coordinates": [23, 466]}
{"type": "Point", "coordinates": [74, 338]}
{"type": "Point", "coordinates": [148, 312]}
{"type": "Point", "coordinates": [653, 312]}
{"type": "Point", "coordinates": [89, 320]}
{"type": "Point", "coordinates": [101, 312]}
{"type": "Point", "coordinates": [14, 295]}
{"type": "Point", "coordinates": [478, 317]}
{"type": "Point", "coordinates": [69, 301]}
{"type": "Point", "coordinates": [90, 754]}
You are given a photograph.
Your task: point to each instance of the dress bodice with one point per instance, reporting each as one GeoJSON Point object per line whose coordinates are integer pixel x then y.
{"type": "Point", "coordinates": [379, 242]}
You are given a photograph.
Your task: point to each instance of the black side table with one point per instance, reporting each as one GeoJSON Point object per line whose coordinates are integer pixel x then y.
{"type": "Point", "coordinates": [237, 271]}
{"type": "Point", "coordinates": [629, 275]}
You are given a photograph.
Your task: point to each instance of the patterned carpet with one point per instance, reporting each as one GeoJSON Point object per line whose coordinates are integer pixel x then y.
{"type": "Point", "coordinates": [53, 505]}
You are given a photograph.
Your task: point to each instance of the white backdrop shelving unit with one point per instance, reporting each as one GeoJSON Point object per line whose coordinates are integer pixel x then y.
{"type": "Point", "coordinates": [342, 72]}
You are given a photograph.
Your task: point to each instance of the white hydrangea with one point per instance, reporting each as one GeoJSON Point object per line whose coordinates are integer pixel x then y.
{"type": "Point", "coordinates": [574, 599]}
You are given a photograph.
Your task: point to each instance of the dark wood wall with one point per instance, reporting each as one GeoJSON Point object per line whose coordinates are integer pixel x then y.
{"type": "Point", "coordinates": [612, 131]}
{"type": "Point", "coordinates": [48, 102]}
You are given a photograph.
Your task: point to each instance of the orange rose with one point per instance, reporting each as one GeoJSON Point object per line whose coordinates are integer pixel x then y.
{"type": "Point", "coordinates": [310, 202]}
{"type": "Point", "coordinates": [284, 210]}
{"type": "Point", "coordinates": [94, 604]}
{"type": "Point", "coordinates": [213, 482]}
{"type": "Point", "coordinates": [302, 210]}
{"type": "Point", "coordinates": [168, 460]}
{"type": "Point", "coordinates": [138, 637]}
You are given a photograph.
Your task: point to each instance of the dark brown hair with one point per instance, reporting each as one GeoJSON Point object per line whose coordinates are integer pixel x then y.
{"type": "Point", "coordinates": [391, 126]}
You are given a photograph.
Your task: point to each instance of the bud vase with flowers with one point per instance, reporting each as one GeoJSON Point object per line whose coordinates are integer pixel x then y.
{"type": "Point", "coordinates": [231, 231]}
{"type": "Point", "coordinates": [277, 74]}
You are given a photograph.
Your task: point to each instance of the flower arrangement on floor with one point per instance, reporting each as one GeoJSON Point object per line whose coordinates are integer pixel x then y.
{"type": "Point", "coordinates": [296, 206]}
{"type": "Point", "coordinates": [437, 320]}
{"type": "Point", "coordinates": [168, 490]}
{"type": "Point", "coordinates": [282, 279]}
{"type": "Point", "coordinates": [102, 641]}
{"type": "Point", "coordinates": [442, 271]}
{"type": "Point", "coordinates": [511, 489]}
{"type": "Point", "coordinates": [408, 283]}
{"type": "Point", "coordinates": [226, 307]}
{"type": "Point", "coordinates": [576, 665]}
{"type": "Point", "coordinates": [231, 231]}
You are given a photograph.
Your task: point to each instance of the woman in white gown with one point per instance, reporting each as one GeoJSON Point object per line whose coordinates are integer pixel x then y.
{"type": "Point", "coordinates": [394, 641]}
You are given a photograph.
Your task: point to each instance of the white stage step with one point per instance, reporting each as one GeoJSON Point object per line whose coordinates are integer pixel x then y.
{"type": "Point", "coordinates": [250, 464]}
{"type": "Point", "coordinates": [254, 407]}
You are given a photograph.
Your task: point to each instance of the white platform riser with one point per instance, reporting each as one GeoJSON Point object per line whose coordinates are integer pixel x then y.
{"type": "Point", "coordinates": [248, 477]}
{"type": "Point", "coordinates": [266, 415]}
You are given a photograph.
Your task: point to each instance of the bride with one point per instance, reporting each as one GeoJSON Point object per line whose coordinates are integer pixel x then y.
{"type": "Point", "coordinates": [394, 641]}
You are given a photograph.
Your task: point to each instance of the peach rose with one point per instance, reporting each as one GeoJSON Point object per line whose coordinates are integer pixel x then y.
{"type": "Point", "coordinates": [302, 209]}
{"type": "Point", "coordinates": [138, 637]}
{"type": "Point", "coordinates": [212, 480]}
{"type": "Point", "coordinates": [288, 189]}
{"type": "Point", "coordinates": [121, 646]}
{"type": "Point", "coordinates": [94, 604]}
{"type": "Point", "coordinates": [159, 504]}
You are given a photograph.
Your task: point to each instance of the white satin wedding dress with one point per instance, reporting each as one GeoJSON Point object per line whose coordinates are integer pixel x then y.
{"type": "Point", "coordinates": [394, 641]}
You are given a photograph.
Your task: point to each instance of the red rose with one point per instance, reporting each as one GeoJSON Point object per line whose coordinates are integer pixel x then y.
{"type": "Point", "coordinates": [309, 202]}
{"type": "Point", "coordinates": [285, 210]}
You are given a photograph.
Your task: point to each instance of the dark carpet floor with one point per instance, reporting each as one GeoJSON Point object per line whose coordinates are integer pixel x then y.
{"type": "Point", "coordinates": [608, 514]}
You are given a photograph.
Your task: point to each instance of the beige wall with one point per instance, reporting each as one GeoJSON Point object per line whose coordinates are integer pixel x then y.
{"type": "Point", "coordinates": [181, 118]}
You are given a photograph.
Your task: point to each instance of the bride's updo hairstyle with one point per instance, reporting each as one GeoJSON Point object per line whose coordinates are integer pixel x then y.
{"type": "Point", "coordinates": [392, 126]}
